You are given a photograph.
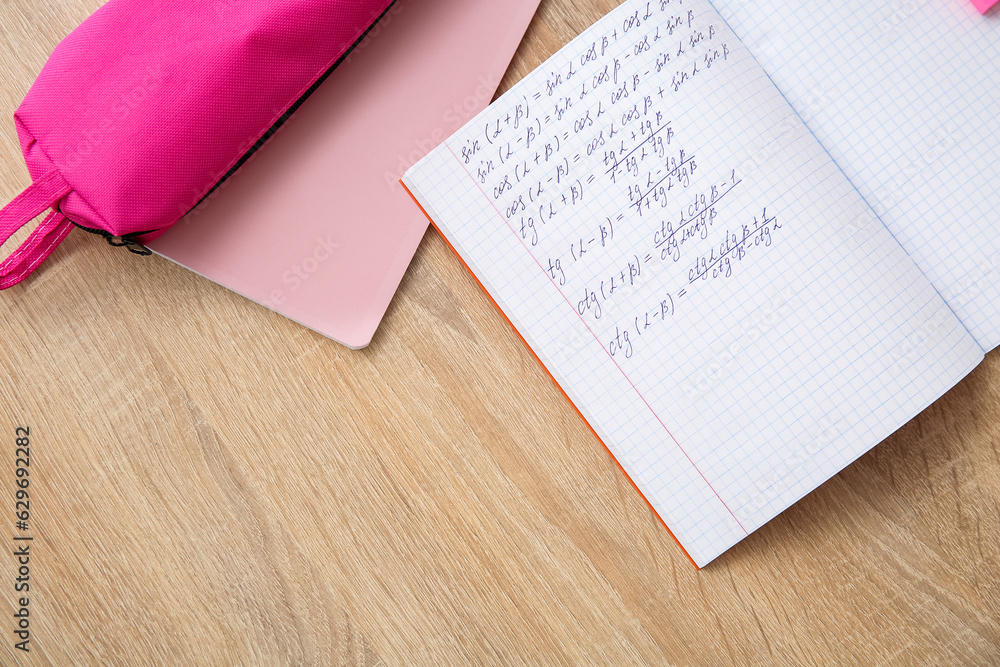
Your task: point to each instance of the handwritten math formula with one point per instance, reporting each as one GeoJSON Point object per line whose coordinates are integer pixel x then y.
{"type": "Point", "coordinates": [601, 181]}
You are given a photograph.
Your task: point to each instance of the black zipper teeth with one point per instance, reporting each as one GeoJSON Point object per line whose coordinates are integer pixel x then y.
{"type": "Point", "coordinates": [264, 137]}
{"type": "Point", "coordinates": [293, 108]}
{"type": "Point", "coordinates": [105, 233]}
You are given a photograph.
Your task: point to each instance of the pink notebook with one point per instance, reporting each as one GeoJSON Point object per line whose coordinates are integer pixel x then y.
{"type": "Point", "coordinates": [316, 225]}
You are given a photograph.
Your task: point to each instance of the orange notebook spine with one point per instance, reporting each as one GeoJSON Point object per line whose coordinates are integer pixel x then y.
{"type": "Point", "coordinates": [552, 377]}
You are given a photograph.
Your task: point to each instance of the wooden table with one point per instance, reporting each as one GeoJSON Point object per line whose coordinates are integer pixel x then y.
{"type": "Point", "coordinates": [212, 483]}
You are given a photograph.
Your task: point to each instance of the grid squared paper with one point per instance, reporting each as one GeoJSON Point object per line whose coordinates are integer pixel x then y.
{"type": "Point", "coordinates": [905, 96]}
{"type": "Point", "coordinates": [687, 262]}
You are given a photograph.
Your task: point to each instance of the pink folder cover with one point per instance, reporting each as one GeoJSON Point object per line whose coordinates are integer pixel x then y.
{"type": "Point", "coordinates": [316, 225]}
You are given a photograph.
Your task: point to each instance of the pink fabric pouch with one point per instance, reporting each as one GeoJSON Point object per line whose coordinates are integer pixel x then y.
{"type": "Point", "coordinates": [149, 105]}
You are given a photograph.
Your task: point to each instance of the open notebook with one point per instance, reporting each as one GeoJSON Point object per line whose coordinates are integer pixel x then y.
{"type": "Point", "coordinates": [703, 272]}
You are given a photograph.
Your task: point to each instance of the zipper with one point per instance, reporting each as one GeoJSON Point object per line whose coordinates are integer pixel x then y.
{"type": "Point", "coordinates": [129, 240]}
{"type": "Point", "coordinates": [294, 107]}
{"type": "Point", "coordinates": [125, 240]}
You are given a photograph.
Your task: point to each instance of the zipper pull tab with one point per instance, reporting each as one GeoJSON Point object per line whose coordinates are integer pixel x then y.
{"type": "Point", "coordinates": [131, 244]}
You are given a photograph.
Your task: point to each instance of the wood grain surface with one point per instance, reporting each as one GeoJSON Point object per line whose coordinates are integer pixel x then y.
{"type": "Point", "coordinates": [212, 483]}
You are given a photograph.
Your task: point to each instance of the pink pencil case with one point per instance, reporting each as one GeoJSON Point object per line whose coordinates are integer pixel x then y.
{"type": "Point", "coordinates": [149, 105]}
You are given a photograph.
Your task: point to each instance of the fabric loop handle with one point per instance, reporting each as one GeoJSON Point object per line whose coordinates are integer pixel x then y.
{"type": "Point", "coordinates": [44, 193]}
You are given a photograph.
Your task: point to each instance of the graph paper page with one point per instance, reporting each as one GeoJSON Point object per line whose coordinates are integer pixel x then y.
{"type": "Point", "coordinates": [905, 97]}
{"type": "Point", "coordinates": [688, 263]}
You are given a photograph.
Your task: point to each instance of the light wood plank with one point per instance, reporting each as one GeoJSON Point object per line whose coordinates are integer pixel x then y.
{"type": "Point", "coordinates": [214, 484]}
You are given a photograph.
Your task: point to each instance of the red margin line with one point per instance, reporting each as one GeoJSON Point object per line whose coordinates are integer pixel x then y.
{"type": "Point", "coordinates": [551, 377]}
{"type": "Point", "coordinates": [598, 341]}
